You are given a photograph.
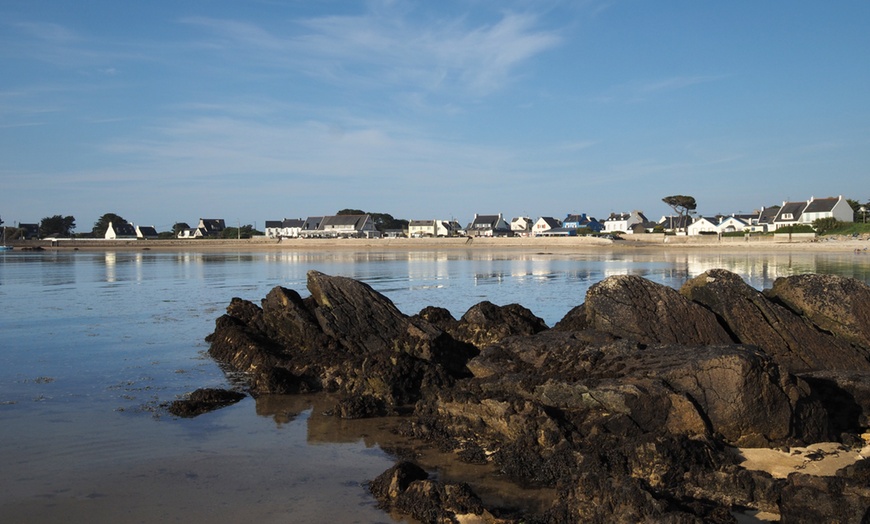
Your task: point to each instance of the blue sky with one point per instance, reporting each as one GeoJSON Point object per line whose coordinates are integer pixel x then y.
{"type": "Point", "coordinates": [168, 111]}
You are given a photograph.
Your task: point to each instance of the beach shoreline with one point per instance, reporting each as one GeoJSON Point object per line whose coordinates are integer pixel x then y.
{"type": "Point", "coordinates": [636, 243]}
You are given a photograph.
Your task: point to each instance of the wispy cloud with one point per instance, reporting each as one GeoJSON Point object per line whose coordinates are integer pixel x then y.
{"type": "Point", "coordinates": [677, 82]}
{"type": "Point", "coordinates": [640, 91]}
{"type": "Point", "coordinates": [392, 48]}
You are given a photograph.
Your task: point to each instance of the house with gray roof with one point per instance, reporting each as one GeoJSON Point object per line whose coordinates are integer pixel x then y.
{"type": "Point", "coordinates": [625, 222]}
{"type": "Point", "coordinates": [544, 224]}
{"type": "Point", "coordinates": [120, 231]}
{"type": "Point", "coordinates": [287, 228]}
{"type": "Point", "coordinates": [488, 226]}
{"type": "Point", "coordinates": [146, 232]}
{"type": "Point", "coordinates": [340, 226]}
{"type": "Point", "coordinates": [805, 213]}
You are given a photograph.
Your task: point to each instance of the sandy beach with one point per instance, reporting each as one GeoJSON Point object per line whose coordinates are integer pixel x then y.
{"type": "Point", "coordinates": [567, 245]}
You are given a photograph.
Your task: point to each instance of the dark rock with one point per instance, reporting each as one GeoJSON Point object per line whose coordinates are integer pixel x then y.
{"type": "Point", "coordinates": [392, 483]}
{"type": "Point", "coordinates": [845, 396]}
{"type": "Point", "coordinates": [834, 304]}
{"type": "Point", "coordinates": [844, 498]}
{"type": "Point", "coordinates": [407, 488]}
{"type": "Point", "coordinates": [280, 381]}
{"type": "Point", "coordinates": [360, 406]}
{"type": "Point", "coordinates": [485, 323]}
{"type": "Point", "coordinates": [733, 391]}
{"type": "Point", "coordinates": [204, 400]}
{"type": "Point", "coordinates": [632, 307]}
{"type": "Point", "coordinates": [346, 338]}
{"type": "Point", "coordinates": [240, 341]}
{"type": "Point", "coordinates": [627, 406]}
{"type": "Point", "coordinates": [574, 320]}
{"type": "Point", "coordinates": [793, 341]}
{"type": "Point", "coordinates": [439, 317]}
{"type": "Point", "coordinates": [292, 323]}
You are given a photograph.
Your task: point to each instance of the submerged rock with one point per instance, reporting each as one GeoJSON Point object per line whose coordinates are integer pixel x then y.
{"type": "Point", "coordinates": [408, 489]}
{"type": "Point", "coordinates": [203, 401]}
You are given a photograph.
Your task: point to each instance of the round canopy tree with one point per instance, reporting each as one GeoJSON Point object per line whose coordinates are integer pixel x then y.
{"type": "Point", "coordinates": [102, 225]}
{"type": "Point", "coordinates": [681, 204]}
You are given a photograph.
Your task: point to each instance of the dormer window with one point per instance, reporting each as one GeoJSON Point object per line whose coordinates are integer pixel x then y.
{"type": "Point", "coordinates": [787, 216]}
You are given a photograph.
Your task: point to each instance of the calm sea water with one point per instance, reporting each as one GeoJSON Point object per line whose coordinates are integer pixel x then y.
{"type": "Point", "coordinates": [92, 343]}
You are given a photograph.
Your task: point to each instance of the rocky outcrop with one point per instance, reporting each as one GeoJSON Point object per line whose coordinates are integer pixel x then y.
{"type": "Point", "coordinates": [632, 307]}
{"type": "Point", "coordinates": [834, 304]}
{"type": "Point", "coordinates": [794, 341]}
{"type": "Point", "coordinates": [345, 337]}
{"type": "Point", "coordinates": [627, 406]}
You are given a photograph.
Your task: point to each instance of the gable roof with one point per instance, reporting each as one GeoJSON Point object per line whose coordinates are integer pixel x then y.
{"type": "Point", "coordinates": [123, 230]}
{"type": "Point", "coordinates": [485, 220]}
{"type": "Point", "coordinates": [768, 214]}
{"type": "Point", "coordinates": [551, 222]}
{"type": "Point", "coordinates": [821, 205]}
{"type": "Point", "coordinates": [212, 225]}
{"type": "Point", "coordinates": [355, 221]}
{"type": "Point", "coordinates": [312, 223]}
{"type": "Point", "coordinates": [795, 209]}
{"type": "Point", "coordinates": [147, 231]}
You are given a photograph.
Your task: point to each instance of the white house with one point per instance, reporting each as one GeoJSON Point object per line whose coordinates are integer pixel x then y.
{"type": "Point", "coordinates": [544, 224]}
{"type": "Point", "coordinates": [804, 213]}
{"type": "Point", "coordinates": [733, 224]}
{"type": "Point", "coordinates": [287, 228]}
{"type": "Point", "coordinates": [447, 228]}
{"type": "Point", "coordinates": [433, 228]}
{"type": "Point", "coordinates": [488, 226]}
{"type": "Point", "coordinates": [344, 226]}
{"type": "Point", "coordinates": [118, 231]}
{"type": "Point", "coordinates": [624, 222]}
{"type": "Point", "coordinates": [717, 225]}
{"type": "Point", "coordinates": [521, 226]}
{"type": "Point", "coordinates": [146, 232]}
{"type": "Point", "coordinates": [709, 225]}
{"type": "Point", "coordinates": [831, 207]}
{"type": "Point", "coordinates": [421, 228]}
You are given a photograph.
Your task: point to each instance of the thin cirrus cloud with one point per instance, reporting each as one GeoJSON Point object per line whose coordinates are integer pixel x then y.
{"type": "Point", "coordinates": [429, 55]}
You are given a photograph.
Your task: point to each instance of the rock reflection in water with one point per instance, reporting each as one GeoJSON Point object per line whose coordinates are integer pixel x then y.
{"type": "Point", "coordinates": [324, 428]}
